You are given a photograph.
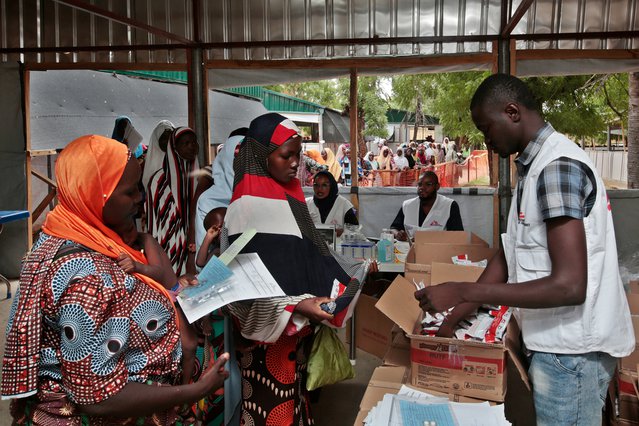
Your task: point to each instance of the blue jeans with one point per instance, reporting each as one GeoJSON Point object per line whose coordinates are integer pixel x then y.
{"type": "Point", "coordinates": [570, 389]}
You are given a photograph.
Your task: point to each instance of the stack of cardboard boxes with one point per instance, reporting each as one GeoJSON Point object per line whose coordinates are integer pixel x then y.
{"type": "Point", "coordinates": [623, 403]}
{"type": "Point", "coordinates": [463, 370]}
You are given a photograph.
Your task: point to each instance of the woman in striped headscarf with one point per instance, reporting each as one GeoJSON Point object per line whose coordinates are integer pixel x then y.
{"type": "Point", "coordinates": [169, 197]}
{"type": "Point", "coordinates": [268, 197]}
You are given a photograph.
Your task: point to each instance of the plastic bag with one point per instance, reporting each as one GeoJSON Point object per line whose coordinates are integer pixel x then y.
{"type": "Point", "coordinates": [328, 362]}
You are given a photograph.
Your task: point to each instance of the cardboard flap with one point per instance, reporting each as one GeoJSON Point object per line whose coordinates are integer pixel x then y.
{"type": "Point", "coordinates": [443, 253]}
{"type": "Point", "coordinates": [448, 237]}
{"type": "Point", "coordinates": [513, 347]}
{"type": "Point", "coordinates": [443, 272]}
{"type": "Point", "coordinates": [633, 303]}
{"type": "Point", "coordinates": [399, 304]}
{"type": "Point", "coordinates": [388, 377]}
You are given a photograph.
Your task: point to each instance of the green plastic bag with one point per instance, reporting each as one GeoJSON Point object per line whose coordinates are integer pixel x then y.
{"type": "Point", "coordinates": [328, 362]}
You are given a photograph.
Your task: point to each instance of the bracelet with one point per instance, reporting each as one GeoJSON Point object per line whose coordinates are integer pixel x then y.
{"type": "Point", "coordinates": [176, 287]}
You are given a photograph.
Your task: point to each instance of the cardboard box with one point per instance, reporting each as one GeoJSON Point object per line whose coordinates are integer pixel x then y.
{"type": "Point", "coordinates": [451, 366]}
{"type": "Point", "coordinates": [630, 362]}
{"type": "Point", "coordinates": [448, 237]}
{"type": "Point", "coordinates": [389, 379]}
{"type": "Point", "coordinates": [373, 329]}
{"type": "Point", "coordinates": [441, 247]}
{"type": "Point", "coordinates": [623, 405]}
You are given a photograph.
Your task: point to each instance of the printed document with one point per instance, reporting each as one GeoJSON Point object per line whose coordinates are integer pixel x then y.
{"type": "Point", "coordinates": [246, 277]}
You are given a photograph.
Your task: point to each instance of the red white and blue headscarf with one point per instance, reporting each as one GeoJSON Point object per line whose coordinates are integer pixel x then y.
{"type": "Point", "coordinates": [286, 240]}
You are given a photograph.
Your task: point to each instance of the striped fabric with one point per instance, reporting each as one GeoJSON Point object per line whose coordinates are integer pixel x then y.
{"type": "Point", "coordinates": [168, 202]}
{"type": "Point", "coordinates": [287, 241]}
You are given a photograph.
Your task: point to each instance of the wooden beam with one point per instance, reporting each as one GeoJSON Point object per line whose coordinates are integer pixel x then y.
{"type": "Point", "coordinates": [101, 48]}
{"type": "Point", "coordinates": [530, 54]}
{"type": "Point", "coordinates": [43, 205]}
{"type": "Point", "coordinates": [41, 152]}
{"type": "Point", "coordinates": [603, 35]}
{"type": "Point", "coordinates": [359, 63]}
{"type": "Point", "coordinates": [27, 158]}
{"type": "Point", "coordinates": [44, 179]}
{"type": "Point", "coordinates": [354, 119]}
{"type": "Point", "coordinates": [361, 41]}
{"type": "Point", "coordinates": [124, 66]}
{"type": "Point", "coordinates": [104, 13]}
{"type": "Point", "coordinates": [514, 20]}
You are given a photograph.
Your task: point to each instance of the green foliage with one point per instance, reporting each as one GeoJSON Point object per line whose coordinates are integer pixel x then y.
{"type": "Point", "coordinates": [328, 93]}
{"type": "Point", "coordinates": [335, 94]}
{"type": "Point", "coordinates": [581, 106]}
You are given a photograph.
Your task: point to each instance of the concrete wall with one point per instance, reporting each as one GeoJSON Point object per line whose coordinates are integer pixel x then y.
{"type": "Point", "coordinates": [379, 206]}
{"type": "Point", "coordinates": [13, 187]}
{"type": "Point", "coordinates": [625, 214]}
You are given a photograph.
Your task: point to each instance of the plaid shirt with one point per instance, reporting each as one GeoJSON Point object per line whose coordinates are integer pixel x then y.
{"type": "Point", "coordinates": [566, 187]}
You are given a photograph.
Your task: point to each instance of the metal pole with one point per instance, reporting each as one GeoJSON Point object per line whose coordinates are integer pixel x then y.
{"type": "Point", "coordinates": [353, 109]}
{"type": "Point", "coordinates": [504, 189]}
{"type": "Point", "coordinates": [199, 99]}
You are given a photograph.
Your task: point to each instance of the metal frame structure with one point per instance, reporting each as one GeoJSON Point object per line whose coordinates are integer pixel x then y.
{"type": "Point", "coordinates": [226, 43]}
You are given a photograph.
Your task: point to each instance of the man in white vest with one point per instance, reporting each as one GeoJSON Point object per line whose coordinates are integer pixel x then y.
{"type": "Point", "coordinates": [429, 210]}
{"type": "Point", "coordinates": [558, 255]}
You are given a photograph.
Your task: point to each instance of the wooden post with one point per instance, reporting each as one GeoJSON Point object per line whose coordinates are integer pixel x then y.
{"type": "Point", "coordinates": [354, 115]}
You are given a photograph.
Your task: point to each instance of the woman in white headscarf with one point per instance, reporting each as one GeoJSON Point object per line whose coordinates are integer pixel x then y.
{"type": "Point", "coordinates": [219, 195]}
{"type": "Point", "coordinates": [157, 148]}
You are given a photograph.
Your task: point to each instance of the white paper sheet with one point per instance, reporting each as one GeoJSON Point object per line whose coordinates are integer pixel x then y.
{"type": "Point", "coordinates": [465, 414]}
{"type": "Point", "coordinates": [250, 280]}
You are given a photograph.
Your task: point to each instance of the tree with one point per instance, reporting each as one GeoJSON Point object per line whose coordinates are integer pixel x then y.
{"type": "Point", "coordinates": [327, 93]}
{"type": "Point", "coordinates": [372, 102]}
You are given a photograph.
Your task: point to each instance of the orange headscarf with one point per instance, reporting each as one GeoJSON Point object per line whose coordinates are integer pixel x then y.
{"type": "Point", "coordinates": [87, 171]}
{"type": "Point", "coordinates": [315, 155]}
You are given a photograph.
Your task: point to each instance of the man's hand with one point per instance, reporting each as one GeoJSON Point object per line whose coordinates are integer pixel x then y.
{"type": "Point", "coordinates": [440, 297]}
{"type": "Point", "coordinates": [310, 308]}
{"type": "Point", "coordinates": [126, 263]}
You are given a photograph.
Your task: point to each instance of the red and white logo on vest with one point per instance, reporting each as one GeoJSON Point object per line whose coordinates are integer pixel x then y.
{"type": "Point", "coordinates": [521, 220]}
{"type": "Point", "coordinates": [434, 223]}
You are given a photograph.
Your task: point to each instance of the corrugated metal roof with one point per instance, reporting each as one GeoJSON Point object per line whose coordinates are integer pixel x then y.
{"type": "Point", "coordinates": [401, 116]}
{"type": "Point", "coordinates": [279, 102]}
{"type": "Point", "coordinates": [550, 36]}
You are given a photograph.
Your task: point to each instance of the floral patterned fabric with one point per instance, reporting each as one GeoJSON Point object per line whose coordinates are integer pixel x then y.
{"type": "Point", "coordinates": [95, 329]}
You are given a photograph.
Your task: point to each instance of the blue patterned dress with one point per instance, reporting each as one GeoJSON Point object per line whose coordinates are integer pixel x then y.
{"type": "Point", "coordinates": [89, 328]}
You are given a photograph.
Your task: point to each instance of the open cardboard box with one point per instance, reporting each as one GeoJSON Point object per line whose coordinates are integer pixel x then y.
{"type": "Point", "coordinates": [389, 379]}
{"type": "Point", "coordinates": [473, 369]}
{"type": "Point", "coordinates": [623, 405]}
{"type": "Point", "coordinates": [630, 362]}
{"type": "Point", "coordinates": [373, 330]}
{"type": "Point", "coordinates": [441, 247]}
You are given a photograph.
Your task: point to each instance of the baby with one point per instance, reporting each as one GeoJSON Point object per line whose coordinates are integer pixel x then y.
{"type": "Point", "coordinates": [159, 268]}
{"type": "Point", "coordinates": [211, 243]}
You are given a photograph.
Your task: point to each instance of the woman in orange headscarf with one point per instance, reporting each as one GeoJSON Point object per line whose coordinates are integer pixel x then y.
{"type": "Point", "coordinates": [88, 343]}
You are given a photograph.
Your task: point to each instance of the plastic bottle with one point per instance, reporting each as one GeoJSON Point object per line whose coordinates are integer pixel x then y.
{"type": "Point", "coordinates": [385, 249]}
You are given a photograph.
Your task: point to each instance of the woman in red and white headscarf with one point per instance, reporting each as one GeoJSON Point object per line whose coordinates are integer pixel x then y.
{"type": "Point", "coordinates": [268, 197]}
{"type": "Point", "coordinates": [169, 197]}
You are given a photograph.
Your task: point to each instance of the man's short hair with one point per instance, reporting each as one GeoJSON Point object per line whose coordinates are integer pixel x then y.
{"type": "Point", "coordinates": [504, 88]}
{"type": "Point", "coordinates": [430, 174]}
